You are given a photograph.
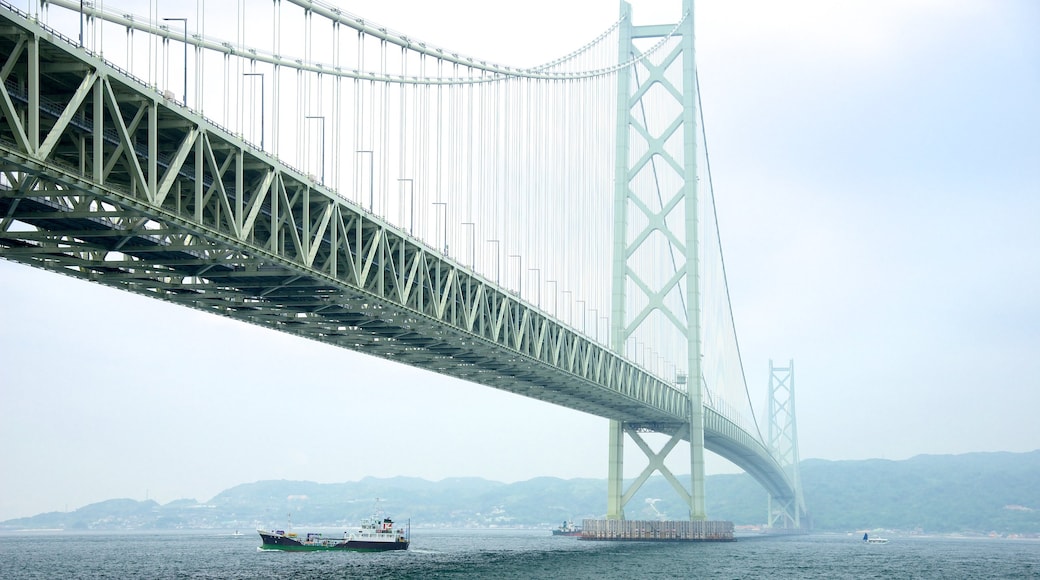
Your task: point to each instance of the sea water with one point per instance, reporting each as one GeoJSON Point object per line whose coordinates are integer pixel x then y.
{"type": "Point", "coordinates": [515, 554]}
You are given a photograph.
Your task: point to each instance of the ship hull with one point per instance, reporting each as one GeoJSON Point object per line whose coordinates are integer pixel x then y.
{"type": "Point", "coordinates": [287, 544]}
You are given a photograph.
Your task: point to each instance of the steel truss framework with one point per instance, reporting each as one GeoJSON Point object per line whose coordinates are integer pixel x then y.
{"type": "Point", "coordinates": [785, 511]}
{"type": "Point", "coordinates": [103, 179]}
{"type": "Point", "coordinates": [702, 424]}
{"type": "Point", "coordinates": [682, 243]}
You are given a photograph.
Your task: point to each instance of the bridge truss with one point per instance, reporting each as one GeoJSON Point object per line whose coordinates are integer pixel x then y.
{"type": "Point", "coordinates": [107, 179]}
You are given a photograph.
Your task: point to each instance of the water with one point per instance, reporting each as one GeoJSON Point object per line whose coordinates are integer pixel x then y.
{"type": "Point", "coordinates": [516, 554]}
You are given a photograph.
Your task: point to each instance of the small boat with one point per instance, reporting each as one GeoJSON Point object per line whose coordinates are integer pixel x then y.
{"type": "Point", "coordinates": [567, 528]}
{"type": "Point", "coordinates": [373, 535]}
{"type": "Point", "coordinates": [869, 540]}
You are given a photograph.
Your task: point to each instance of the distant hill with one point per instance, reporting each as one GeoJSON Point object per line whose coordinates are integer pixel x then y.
{"type": "Point", "coordinates": [977, 492]}
{"type": "Point", "coordinates": [951, 493]}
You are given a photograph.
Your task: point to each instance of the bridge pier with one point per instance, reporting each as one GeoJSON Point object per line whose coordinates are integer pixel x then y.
{"type": "Point", "coordinates": [657, 531]}
{"type": "Point", "coordinates": [615, 471]}
{"type": "Point", "coordinates": [618, 496]}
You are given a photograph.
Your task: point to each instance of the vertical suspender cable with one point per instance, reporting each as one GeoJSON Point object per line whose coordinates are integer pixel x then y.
{"type": "Point", "coordinates": [439, 140]}
{"type": "Point", "coordinates": [402, 161]}
{"type": "Point", "coordinates": [359, 142]}
{"type": "Point", "coordinates": [276, 42]}
{"type": "Point", "coordinates": [384, 145]}
{"type": "Point", "coordinates": [337, 107]}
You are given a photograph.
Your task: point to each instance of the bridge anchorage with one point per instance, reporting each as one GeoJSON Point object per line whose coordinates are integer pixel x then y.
{"type": "Point", "coordinates": [116, 180]}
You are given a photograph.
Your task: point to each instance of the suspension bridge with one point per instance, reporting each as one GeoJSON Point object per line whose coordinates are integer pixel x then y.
{"type": "Point", "coordinates": [318, 174]}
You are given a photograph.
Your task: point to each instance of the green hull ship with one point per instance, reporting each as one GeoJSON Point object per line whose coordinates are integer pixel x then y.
{"type": "Point", "coordinates": [374, 535]}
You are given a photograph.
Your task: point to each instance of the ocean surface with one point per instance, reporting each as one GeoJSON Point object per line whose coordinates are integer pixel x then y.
{"type": "Point", "coordinates": [516, 554]}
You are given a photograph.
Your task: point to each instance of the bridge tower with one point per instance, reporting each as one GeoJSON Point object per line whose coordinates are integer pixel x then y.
{"type": "Point", "coordinates": [656, 222]}
{"type": "Point", "coordinates": [783, 440]}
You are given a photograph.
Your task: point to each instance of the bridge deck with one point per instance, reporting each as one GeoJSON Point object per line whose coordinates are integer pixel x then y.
{"type": "Point", "coordinates": [108, 181]}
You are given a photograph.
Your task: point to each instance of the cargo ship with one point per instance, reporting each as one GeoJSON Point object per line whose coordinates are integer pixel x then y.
{"type": "Point", "coordinates": [567, 528]}
{"type": "Point", "coordinates": [373, 535]}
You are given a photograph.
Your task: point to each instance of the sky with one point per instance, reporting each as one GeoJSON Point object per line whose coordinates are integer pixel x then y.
{"type": "Point", "coordinates": [877, 172]}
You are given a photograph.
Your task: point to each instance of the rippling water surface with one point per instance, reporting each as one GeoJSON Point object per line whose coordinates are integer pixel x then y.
{"type": "Point", "coordinates": [511, 554]}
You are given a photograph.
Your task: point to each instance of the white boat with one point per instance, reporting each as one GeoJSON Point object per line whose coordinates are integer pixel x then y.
{"type": "Point", "coordinates": [869, 540]}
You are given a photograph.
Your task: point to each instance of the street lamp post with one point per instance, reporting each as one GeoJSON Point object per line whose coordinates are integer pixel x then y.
{"type": "Point", "coordinates": [498, 263]}
{"type": "Point", "coordinates": [261, 75]}
{"type": "Point", "coordinates": [538, 285]}
{"type": "Point", "coordinates": [556, 296]}
{"type": "Point", "coordinates": [570, 309]}
{"type": "Point", "coordinates": [185, 21]}
{"type": "Point", "coordinates": [582, 302]}
{"type": "Point", "coordinates": [472, 245]}
{"type": "Point", "coordinates": [371, 179]}
{"type": "Point", "coordinates": [444, 228]}
{"type": "Point", "coordinates": [411, 200]}
{"type": "Point", "coordinates": [519, 274]}
{"type": "Point", "coordinates": [322, 119]}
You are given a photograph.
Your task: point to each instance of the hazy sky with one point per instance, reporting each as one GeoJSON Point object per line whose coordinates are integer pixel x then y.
{"type": "Point", "coordinates": [877, 168]}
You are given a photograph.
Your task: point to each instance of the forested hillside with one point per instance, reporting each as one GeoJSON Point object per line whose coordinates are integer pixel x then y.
{"type": "Point", "coordinates": [978, 492]}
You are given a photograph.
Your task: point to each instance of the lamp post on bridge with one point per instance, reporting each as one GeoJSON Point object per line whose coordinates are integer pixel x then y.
{"type": "Point", "coordinates": [472, 245]}
{"type": "Point", "coordinates": [538, 286]}
{"type": "Point", "coordinates": [570, 307]}
{"type": "Point", "coordinates": [444, 229]}
{"type": "Point", "coordinates": [371, 179]}
{"type": "Point", "coordinates": [582, 302]}
{"type": "Point", "coordinates": [411, 210]}
{"type": "Point", "coordinates": [519, 274]}
{"type": "Point", "coordinates": [556, 296]}
{"type": "Point", "coordinates": [262, 115]}
{"type": "Point", "coordinates": [322, 118]}
{"type": "Point", "coordinates": [498, 262]}
{"type": "Point", "coordinates": [185, 21]}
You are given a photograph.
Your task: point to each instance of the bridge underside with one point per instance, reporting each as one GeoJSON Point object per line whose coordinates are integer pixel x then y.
{"type": "Point", "coordinates": [106, 180]}
{"type": "Point", "coordinates": [259, 290]}
{"type": "Point", "coordinates": [103, 179]}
